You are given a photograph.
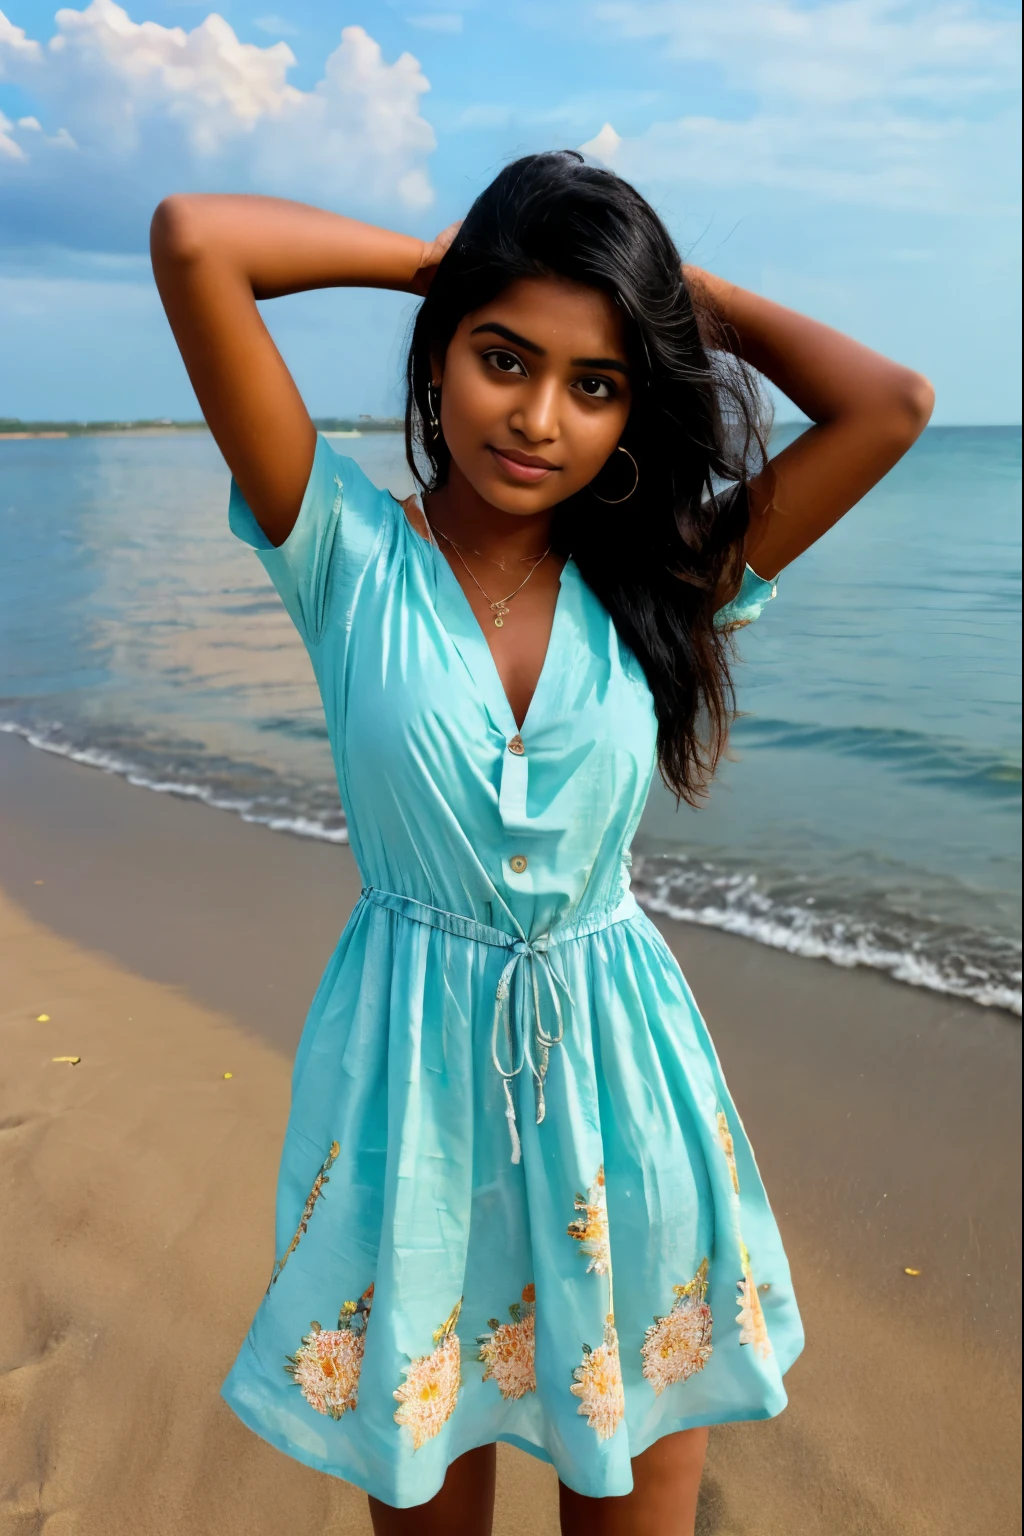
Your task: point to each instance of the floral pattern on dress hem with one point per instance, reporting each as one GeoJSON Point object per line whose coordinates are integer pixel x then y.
{"type": "Point", "coordinates": [753, 1328]}
{"type": "Point", "coordinates": [590, 1229]}
{"type": "Point", "coordinates": [307, 1211]}
{"type": "Point", "coordinates": [327, 1364]}
{"type": "Point", "coordinates": [427, 1397]}
{"type": "Point", "coordinates": [508, 1350]}
{"type": "Point", "coordinates": [678, 1345]}
{"type": "Point", "coordinates": [597, 1382]}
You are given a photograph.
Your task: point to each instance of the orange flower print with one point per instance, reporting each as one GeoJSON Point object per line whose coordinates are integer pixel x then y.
{"type": "Point", "coordinates": [590, 1229]}
{"type": "Point", "coordinates": [508, 1350]}
{"type": "Point", "coordinates": [311, 1200]}
{"type": "Point", "coordinates": [726, 1142]}
{"type": "Point", "coordinates": [597, 1382]}
{"type": "Point", "coordinates": [753, 1328]}
{"type": "Point", "coordinates": [327, 1364]}
{"type": "Point", "coordinates": [427, 1397]}
{"type": "Point", "coordinates": [679, 1345]}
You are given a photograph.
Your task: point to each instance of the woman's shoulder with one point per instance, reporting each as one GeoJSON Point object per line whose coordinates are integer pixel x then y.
{"type": "Point", "coordinates": [344, 522]}
{"type": "Point", "coordinates": [332, 465]}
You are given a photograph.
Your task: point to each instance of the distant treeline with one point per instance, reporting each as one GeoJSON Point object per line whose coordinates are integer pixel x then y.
{"type": "Point", "coordinates": [13, 426]}
{"type": "Point", "coordinates": [361, 424]}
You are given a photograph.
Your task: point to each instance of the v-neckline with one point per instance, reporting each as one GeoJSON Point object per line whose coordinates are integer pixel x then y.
{"type": "Point", "coordinates": [472, 632]}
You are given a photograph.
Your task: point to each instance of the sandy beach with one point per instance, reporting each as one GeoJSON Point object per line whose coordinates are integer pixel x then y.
{"type": "Point", "coordinates": [170, 944]}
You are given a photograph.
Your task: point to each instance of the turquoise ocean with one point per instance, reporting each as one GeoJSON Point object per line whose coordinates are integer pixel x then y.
{"type": "Point", "coordinates": [869, 812]}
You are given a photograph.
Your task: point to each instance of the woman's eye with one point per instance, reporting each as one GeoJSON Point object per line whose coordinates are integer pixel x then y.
{"type": "Point", "coordinates": [597, 389]}
{"type": "Point", "coordinates": [505, 362]}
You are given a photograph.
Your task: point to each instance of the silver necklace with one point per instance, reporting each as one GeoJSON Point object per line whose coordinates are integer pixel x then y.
{"type": "Point", "coordinates": [498, 606]}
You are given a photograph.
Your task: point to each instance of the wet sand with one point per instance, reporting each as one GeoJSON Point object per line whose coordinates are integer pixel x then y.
{"type": "Point", "coordinates": [170, 943]}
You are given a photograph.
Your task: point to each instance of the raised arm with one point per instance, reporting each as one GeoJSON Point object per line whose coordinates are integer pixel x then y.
{"type": "Point", "coordinates": [213, 257]}
{"type": "Point", "coordinates": [866, 412]}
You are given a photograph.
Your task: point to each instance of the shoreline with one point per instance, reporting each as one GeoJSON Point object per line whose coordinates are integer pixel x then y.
{"type": "Point", "coordinates": [1003, 1001]}
{"type": "Point", "coordinates": [884, 1118]}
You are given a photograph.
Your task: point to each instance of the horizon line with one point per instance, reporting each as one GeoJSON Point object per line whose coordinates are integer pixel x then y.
{"type": "Point", "coordinates": [365, 422]}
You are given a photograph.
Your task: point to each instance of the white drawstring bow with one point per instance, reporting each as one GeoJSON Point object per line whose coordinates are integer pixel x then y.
{"type": "Point", "coordinates": [536, 953]}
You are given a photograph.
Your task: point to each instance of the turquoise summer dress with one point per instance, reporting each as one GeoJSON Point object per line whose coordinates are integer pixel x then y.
{"type": "Point", "coordinates": [515, 1199]}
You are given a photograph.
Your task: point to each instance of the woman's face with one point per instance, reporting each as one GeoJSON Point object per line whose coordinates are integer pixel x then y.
{"type": "Point", "coordinates": [535, 393]}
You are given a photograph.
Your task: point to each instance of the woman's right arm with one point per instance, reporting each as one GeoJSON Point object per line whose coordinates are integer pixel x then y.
{"type": "Point", "coordinates": [213, 257]}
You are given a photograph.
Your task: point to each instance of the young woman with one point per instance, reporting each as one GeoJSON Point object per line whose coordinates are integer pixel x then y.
{"type": "Point", "coordinates": [516, 1201]}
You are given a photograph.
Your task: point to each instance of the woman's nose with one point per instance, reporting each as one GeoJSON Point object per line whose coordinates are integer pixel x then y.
{"type": "Point", "coordinates": [536, 416]}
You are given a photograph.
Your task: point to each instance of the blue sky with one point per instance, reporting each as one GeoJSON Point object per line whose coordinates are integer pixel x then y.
{"type": "Point", "coordinates": [857, 159]}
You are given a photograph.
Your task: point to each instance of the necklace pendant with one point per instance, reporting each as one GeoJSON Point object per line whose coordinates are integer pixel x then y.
{"type": "Point", "coordinates": [500, 609]}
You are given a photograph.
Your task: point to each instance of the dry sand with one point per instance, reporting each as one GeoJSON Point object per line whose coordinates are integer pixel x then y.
{"type": "Point", "coordinates": [170, 944]}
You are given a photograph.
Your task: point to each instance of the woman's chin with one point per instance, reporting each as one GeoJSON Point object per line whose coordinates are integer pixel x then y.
{"type": "Point", "coordinates": [516, 498]}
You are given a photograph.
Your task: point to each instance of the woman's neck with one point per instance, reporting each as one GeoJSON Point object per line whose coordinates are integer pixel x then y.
{"type": "Point", "coordinates": [459, 513]}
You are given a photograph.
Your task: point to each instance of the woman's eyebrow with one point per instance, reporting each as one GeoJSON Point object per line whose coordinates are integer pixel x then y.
{"type": "Point", "coordinates": [503, 330]}
{"type": "Point", "coordinates": [600, 362]}
{"type": "Point", "coordinates": [531, 346]}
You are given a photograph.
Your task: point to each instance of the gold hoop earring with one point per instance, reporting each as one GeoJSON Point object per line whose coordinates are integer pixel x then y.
{"type": "Point", "coordinates": [434, 407]}
{"type": "Point", "coordinates": [613, 501]}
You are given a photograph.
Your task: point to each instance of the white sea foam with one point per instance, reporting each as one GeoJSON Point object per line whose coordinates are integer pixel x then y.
{"type": "Point", "coordinates": [730, 900]}
{"type": "Point", "coordinates": [845, 942]}
{"type": "Point", "coordinates": [107, 762]}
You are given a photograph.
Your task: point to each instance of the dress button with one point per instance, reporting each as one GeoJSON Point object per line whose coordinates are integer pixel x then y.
{"type": "Point", "coordinates": [515, 744]}
{"type": "Point", "coordinates": [517, 863]}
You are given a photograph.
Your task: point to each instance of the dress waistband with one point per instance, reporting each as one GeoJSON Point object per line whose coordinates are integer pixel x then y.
{"type": "Point", "coordinates": [534, 953]}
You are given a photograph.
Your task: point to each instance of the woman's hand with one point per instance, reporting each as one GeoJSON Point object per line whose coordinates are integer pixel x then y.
{"type": "Point", "coordinates": [433, 250]}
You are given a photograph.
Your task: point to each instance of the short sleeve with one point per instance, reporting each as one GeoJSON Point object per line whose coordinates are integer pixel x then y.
{"type": "Point", "coordinates": [339, 524]}
{"type": "Point", "coordinates": [751, 598]}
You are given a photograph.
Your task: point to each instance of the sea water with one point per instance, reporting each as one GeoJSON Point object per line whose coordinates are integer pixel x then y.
{"type": "Point", "coordinates": [869, 810]}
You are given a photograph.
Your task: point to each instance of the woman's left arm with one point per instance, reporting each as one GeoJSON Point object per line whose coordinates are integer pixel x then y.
{"type": "Point", "coordinates": [866, 411]}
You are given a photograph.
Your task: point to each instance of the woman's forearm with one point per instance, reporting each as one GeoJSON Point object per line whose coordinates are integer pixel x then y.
{"type": "Point", "coordinates": [826, 374]}
{"type": "Point", "coordinates": [282, 247]}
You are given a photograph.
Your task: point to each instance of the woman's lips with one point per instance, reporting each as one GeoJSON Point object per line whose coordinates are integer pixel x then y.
{"type": "Point", "coordinates": [526, 473]}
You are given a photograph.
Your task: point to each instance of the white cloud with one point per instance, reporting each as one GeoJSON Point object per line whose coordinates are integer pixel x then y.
{"type": "Point", "coordinates": [15, 43]}
{"type": "Point", "coordinates": [9, 147]}
{"type": "Point", "coordinates": [438, 21]}
{"type": "Point", "coordinates": [835, 51]}
{"type": "Point", "coordinates": [896, 103]}
{"type": "Point", "coordinates": [152, 109]}
{"type": "Point", "coordinates": [603, 145]}
{"type": "Point", "coordinates": [276, 26]}
{"type": "Point", "coordinates": [14, 149]}
{"type": "Point", "coordinates": [888, 162]}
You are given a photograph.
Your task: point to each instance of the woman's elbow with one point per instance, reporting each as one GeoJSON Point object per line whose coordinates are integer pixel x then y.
{"type": "Point", "coordinates": [174, 234]}
{"type": "Point", "coordinates": [914, 403]}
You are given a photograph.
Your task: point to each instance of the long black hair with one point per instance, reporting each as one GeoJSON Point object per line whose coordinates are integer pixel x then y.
{"type": "Point", "coordinates": [658, 560]}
